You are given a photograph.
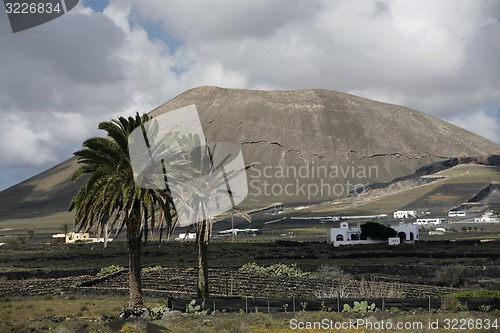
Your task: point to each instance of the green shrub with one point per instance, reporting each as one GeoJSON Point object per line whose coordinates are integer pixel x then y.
{"type": "Point", "coordinates": [274, 270]}
{"type": "Point", "coordinates": [152, 268]}
{"type": "Point", "coordinates": [332, 272]}
{"type": "Point", "coordinates": [30, 233]}
{"type": "Point", "coordinates": [394, 309]}
{"type": "Point", "coordinates": [376, 231]}
{"type": "Point", "coordinates": [110, 269]}
{"type": "Point", "coordinates": [452, 304]}
{"type": "Point", "coordinates": [451, 275]}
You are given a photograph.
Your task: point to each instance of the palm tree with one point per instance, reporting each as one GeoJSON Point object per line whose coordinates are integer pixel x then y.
{"type": "Point", "coordinates": [237, 212]}
{"type": "Point", "coordinates": [65, 229]}
{"type": "Point", "coordinates": [206, 195]}
{"type": "Point", "coordinates": [203, 234]}
{"type": "Point", "coordinates": [111, 197]}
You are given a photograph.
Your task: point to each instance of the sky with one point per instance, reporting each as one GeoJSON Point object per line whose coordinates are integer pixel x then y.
{"type": "Point", "coordinates": [113, 58]}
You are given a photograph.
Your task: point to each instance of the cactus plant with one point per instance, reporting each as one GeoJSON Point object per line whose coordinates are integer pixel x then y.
{"type": "Point", "coordinates": [198, 309]}
{"type": "Point", "coordinates": [361, 307]}
{"type": "Point", "coordinates": [155, 313]}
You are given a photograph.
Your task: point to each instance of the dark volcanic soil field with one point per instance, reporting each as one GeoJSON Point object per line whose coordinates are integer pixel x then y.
{"type": "Point", "coordinates": [35, 269]}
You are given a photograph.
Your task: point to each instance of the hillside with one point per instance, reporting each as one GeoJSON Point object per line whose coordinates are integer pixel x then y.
{"type": "Point", "coordinates": [336, 139]}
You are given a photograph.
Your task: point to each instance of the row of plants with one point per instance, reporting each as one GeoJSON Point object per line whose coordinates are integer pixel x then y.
{"type": "Point", "coordinates": [274, 270]}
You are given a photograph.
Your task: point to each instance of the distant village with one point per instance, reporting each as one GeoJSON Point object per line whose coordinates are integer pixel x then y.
{"type": "Point", "coordinates": [407, 231]}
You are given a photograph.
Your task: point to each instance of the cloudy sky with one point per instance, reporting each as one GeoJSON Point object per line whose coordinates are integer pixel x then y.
{"type": "Point", "coordinates": [108, 58]}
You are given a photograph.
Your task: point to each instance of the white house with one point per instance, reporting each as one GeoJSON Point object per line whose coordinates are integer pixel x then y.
{"type": "Point", "coordinates": [72, 237]}
{"type": "Point", "coordinates": [457, 213]}
{"type": "Point", "coordinates": [236, 232]}
{"type": "Point", "coordinates": [189, 236]}
{"type": "Point", "coordinates": [404, 214]}
{"type": "Point", "coordinates": [435, 221]}
{"type": "Point", "coordinates": [347, 236]}
{"type": "Point", "coordinates": [488, 217]}
{"type": "Point", "coordinates": [407, 232]}
{"type": "Point", "coordinates": [343, 234]}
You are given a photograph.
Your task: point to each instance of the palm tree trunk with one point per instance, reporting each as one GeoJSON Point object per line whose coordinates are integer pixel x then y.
{"type": "Point", "coordinates": [106, 235]}
{"type": "Point", "coordinates": [135, 283]}
{"type": "Point", "coordinates": [202, 247]}
{"type": "Point", "coordinates": [232, 228]}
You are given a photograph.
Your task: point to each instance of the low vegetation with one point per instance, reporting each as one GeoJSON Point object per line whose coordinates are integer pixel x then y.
{"type": "Point", "coordinates": [362, 307]}
{"type": "Point", "coordinates": [274, 270]}
{"type": "Point", "coordinates": [67, 313]}
{"type": "Point", "coordinates": [109, 270]}
{"type": "Point", "coordinates": [451, 275]}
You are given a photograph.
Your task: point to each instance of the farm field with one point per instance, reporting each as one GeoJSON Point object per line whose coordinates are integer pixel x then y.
{"type": "Point", "coordinates": [475, 263]}
{"type": "Point", "coordinates": [55, 286]}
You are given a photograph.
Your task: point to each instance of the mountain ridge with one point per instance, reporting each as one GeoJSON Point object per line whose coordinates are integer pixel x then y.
{"type": "Point", "coordinates": [312, 127]}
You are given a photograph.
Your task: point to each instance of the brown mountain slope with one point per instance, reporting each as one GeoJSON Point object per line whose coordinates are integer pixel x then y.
{"type": "Point", "coordinates": [335, 137]}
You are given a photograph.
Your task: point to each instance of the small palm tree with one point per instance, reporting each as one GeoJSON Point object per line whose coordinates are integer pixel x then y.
{"type": "Point", "coordinates": [65, 229]}
{"type": "Point", "coordinates": [110, 196]}
{"type": "Point", "coordinates": [31, 234]}
{"type": "Point", "coordinates": [207, 194]}
{"type": "Point", "coordinates": [237, 212]}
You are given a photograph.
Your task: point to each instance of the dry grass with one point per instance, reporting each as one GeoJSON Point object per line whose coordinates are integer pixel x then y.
{"type": "Point", "coordinates": [19, 309]}
{"type": "Point", "coordinates": [84, 313]}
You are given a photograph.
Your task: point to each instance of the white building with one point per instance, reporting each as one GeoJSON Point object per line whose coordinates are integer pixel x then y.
{"type": "Point", "coordinates": [405, 214]}
{"type": "Point", "coordinates": [407, 232]}
{"type": "Point", "coordinates": [435, 221]}
{"type": "Point", "coordinates": [488, 217]}
{"type": "Point", "coordinates": [457, 213]}
{"type": "Point", "coordinates": [343, 234]}
{"type": "Point", "coordinates": [347, 236]}
{"type": "Point", "coordinates": [72, 237]}
{"type": "Point", "coordinates": [236, 232]}
{"type": "Point", "coordinates": [189, 236]}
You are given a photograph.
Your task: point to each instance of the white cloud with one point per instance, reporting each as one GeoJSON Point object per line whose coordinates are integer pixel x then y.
{"type": "Point", "coordinates": [60, 79]}
{"type": "Point", "coordinates": [201, 21]}
{"type": "Point", "coordinates": [431, 55]}
{"type": "Point", "coordinates": [479, 122]}
{"type": "Point", "coordinates": [21, 145]}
